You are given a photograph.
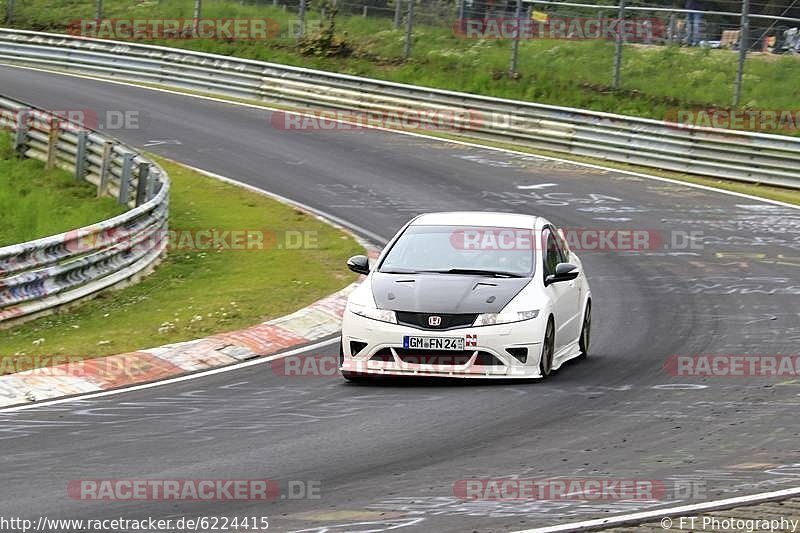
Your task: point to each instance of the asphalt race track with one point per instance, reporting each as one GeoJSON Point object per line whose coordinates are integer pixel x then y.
{"type": "Point", "coordinates": [387, 457]}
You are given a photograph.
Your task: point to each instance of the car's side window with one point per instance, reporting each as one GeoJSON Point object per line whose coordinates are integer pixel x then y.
{"type": "Point", "coordinates": [552, 255]}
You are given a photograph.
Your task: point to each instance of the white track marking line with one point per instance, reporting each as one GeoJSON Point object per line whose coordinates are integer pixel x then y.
{"type": "Point", "coordinates": [685, 510]}
{"type": "Point", "coordinates": [537, 186]}
{"type": "Point", "coordinates": [204, 373]}
{"type": "Point", "coordinates": [421, 135]}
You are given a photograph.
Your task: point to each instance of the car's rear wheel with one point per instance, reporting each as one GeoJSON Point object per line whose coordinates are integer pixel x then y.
{"type": "Point", "coordinates": [583, 343]}
{"type": "Point", "coordinates": [548, 346]}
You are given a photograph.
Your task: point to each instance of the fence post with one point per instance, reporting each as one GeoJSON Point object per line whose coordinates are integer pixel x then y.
{"type": "Point", "coordinates": [409, 29]}
{"type": "Point", "coordinates": [364, 13]}
{"type": "Point", "coordinates": [98, 12]}
{"type": "Point", "coordinates": [744, 44]}
{"type": "Point", "coordinates": [397, 5]}
{"type": "Point", "coordinates": [105, 167]}
{"type": "Point", "coordinates": [125, 179]}
{"type": "Point", "coordinates": [198, 10]}
{"type": "Point", "coordinates": [515, 44]}
{"type": "Point", "coordinates": [671, 30]}
{"type": "Point", "coordinates": [141, 183]}
{"type": "Point", "coordinates": [80, 155]}
{"type": "Point", "coordinates": [21, 136]}
{"type": "Point", "coordinates": [52, 142]}
{"type": "Point", "coordinates": [302, 16]}
{"type": "Point", "coordinates": [618, 47]}
{"type": "Point", "coordinates": [9, 12]}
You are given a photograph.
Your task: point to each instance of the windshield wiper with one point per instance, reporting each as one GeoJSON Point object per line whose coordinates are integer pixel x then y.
{"type": "Point", "coordinates": [478, 272]}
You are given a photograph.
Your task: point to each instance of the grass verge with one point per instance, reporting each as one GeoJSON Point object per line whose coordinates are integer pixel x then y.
{"type": "Point", "coordinates": [657, 81]}
{"type": "Point", "coordinates": [36, 203]}
{"type": "Point", "coordinates": [198, 292]}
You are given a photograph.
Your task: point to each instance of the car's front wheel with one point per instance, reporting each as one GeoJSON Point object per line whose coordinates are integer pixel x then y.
{"type": "Point", "coordinates": [583, 343]}
{"type": "Point", "coordinates": [548, 346]}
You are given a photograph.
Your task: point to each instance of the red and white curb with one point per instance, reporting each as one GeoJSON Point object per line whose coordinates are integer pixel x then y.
{"type": "Point", "coordinates": [312, 323]}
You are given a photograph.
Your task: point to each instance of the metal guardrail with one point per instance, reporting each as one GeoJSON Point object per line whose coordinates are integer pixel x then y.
{"type": "Point", "coordinates": [39, 275]}
{"type": "Point", "coordinates": [736, 155]}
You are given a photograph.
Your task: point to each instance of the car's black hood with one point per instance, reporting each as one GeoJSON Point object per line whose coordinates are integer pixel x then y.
{"type": "Point", "coordinates": [444, 293]}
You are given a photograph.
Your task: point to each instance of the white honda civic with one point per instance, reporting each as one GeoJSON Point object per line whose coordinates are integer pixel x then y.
{"type": "Point", "coordinates": [468, 294]}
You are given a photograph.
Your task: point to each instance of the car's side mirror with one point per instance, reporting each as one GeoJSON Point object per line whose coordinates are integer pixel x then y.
{"type": "Point", "coordinates": [564, 272]}
{"type": "Point", "coordinates": [359, 264]}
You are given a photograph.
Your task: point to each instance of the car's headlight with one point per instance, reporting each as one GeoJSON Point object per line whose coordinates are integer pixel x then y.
{"type": "Point", "coordinates": [489, 319]}
{"type": "Point", "coordinates": [384, 315]}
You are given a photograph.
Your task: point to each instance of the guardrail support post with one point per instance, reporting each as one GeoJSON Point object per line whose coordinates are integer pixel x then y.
{"type": "Point", "coordinates": [744, 44]}
{"type": "Point", "coordinates": [21, 136]}
{"type": "Point", "coordinates": [141, 183]}
{"type": "Point", "coordinates": [52, 142]}
{"type": "Point", "coordinates": [409, 29]}
{"type": "Point", "coordinates": [152, 187]}
{"type": "Point", "coordinates": [125, 179]}
{"type": "Point", "coordinates": [105, 167]}
{"type": "Point", "coordinates": [80, 156]}
{"type": "Point", "coordinates": [98, 11]}
{"type": "Point", "coordinates": [618, 48]}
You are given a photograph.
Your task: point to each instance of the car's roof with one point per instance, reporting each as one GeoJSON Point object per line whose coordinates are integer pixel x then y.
{"type": "Point", "coordinates": [477, 218]}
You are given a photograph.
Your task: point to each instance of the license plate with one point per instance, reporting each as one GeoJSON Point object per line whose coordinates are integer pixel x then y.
{"type": "Point", "coordinates": [434, 343]}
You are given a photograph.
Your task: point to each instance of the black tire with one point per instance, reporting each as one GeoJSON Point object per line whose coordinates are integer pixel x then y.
{"type": "Point", "coordinates": [548, 346]}
{"type": "Point", "coordinates": [586, 329]}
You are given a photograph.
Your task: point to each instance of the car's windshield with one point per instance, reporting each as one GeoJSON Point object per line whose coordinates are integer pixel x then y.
{"type": "Point", "coordinates": [462, 250]}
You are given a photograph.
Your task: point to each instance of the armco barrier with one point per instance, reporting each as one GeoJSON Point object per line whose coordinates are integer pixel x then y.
{"type": "Point", "coordinates": [39, 275]}
{"type": "Point", "coordinates": [743, 156]}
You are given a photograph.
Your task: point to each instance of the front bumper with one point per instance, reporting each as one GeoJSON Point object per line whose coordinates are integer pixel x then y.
{"type": "Point", "coordinates": [380, 350]}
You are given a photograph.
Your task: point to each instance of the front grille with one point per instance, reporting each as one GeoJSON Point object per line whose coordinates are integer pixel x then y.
{"type": "Point", "coordinates": [428, 357]}
{"type": "Point", "coordinates": [448, 320]}
{"type": "Point", "coordinates": [384, 355]}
